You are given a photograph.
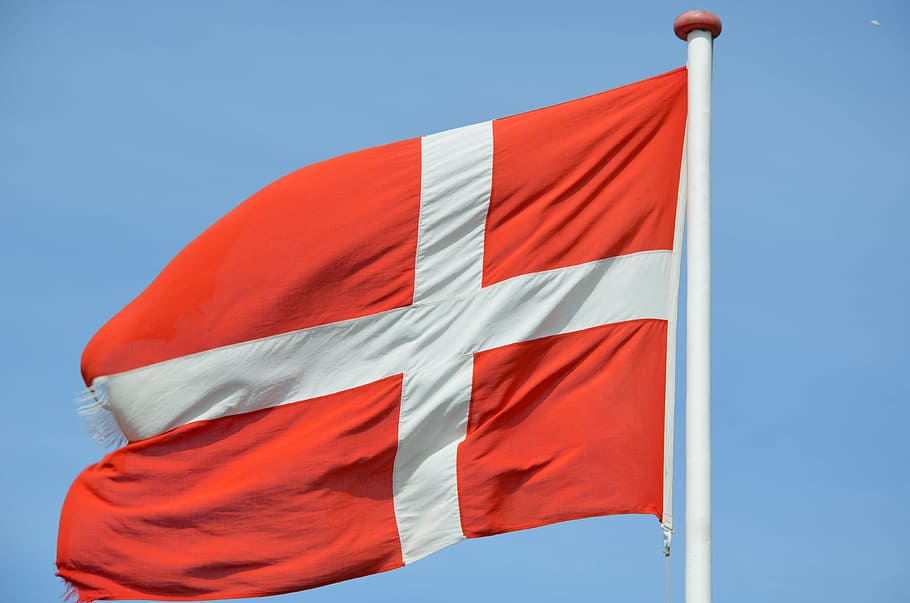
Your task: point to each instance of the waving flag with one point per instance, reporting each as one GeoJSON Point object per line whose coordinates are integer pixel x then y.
{"type": "Point", "coordinates": [388, 352]}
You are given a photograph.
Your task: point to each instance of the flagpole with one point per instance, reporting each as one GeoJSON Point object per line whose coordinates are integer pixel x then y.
{"type": "Point", "coordinates": [698, 28]}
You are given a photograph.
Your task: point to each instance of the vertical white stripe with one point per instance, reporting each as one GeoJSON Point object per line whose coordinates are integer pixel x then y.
{"type": "Point", "coordinates": [457, 172]}
{"type": "Point", "coordinates": [456, 176]}
{"type": "Point", "coordinates": [434, 417]}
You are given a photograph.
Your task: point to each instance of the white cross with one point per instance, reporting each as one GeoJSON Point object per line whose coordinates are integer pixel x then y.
{"type": "Point", "coordinates": [431, 342]}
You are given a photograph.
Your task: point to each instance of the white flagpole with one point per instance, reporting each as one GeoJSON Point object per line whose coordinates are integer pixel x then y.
{"type": "Point", "coordinates": [698, 28]}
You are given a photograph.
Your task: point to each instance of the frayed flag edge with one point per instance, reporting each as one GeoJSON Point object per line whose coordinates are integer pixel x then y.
{"type": "Point", "coordinates": [94, 409]}
{"type": "Point", "coordinates": [72, 594]}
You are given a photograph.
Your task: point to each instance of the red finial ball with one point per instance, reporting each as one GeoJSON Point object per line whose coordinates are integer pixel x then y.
{"type": "Point", "coordinates": [695, 20]}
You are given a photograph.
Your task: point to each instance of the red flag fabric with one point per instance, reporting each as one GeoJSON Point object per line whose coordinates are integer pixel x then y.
{"type": "Point", "coordinates": [391, 351]}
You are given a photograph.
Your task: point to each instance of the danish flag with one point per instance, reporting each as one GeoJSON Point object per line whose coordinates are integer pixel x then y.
{"type": "Point", "coordinates": [388, 352]}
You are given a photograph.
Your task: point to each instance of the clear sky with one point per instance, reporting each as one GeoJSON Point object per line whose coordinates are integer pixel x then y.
{"type": "Point", "coordinates": [126, 128]}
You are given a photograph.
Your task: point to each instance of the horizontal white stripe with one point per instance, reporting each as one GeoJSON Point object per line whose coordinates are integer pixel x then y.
{"type": "Point", "coordinates": [330, 358]}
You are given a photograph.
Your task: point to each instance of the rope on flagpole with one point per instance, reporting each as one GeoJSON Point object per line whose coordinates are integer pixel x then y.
{"type": "Point", "coordinates": [668, 536]}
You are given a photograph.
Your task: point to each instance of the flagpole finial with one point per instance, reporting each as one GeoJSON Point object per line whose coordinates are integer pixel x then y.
{"type": "Point", "coordinates": [694, 20]}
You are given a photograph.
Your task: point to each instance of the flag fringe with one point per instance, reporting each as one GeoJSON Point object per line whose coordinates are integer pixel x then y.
{"type": "Point", "coordinates": [94, 408]}
{"type": "Point", "coordinates": [71, 593]}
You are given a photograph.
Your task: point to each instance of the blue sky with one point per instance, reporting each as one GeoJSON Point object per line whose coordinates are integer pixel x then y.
{"type": "Point", "coordinates": [127, 128]}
